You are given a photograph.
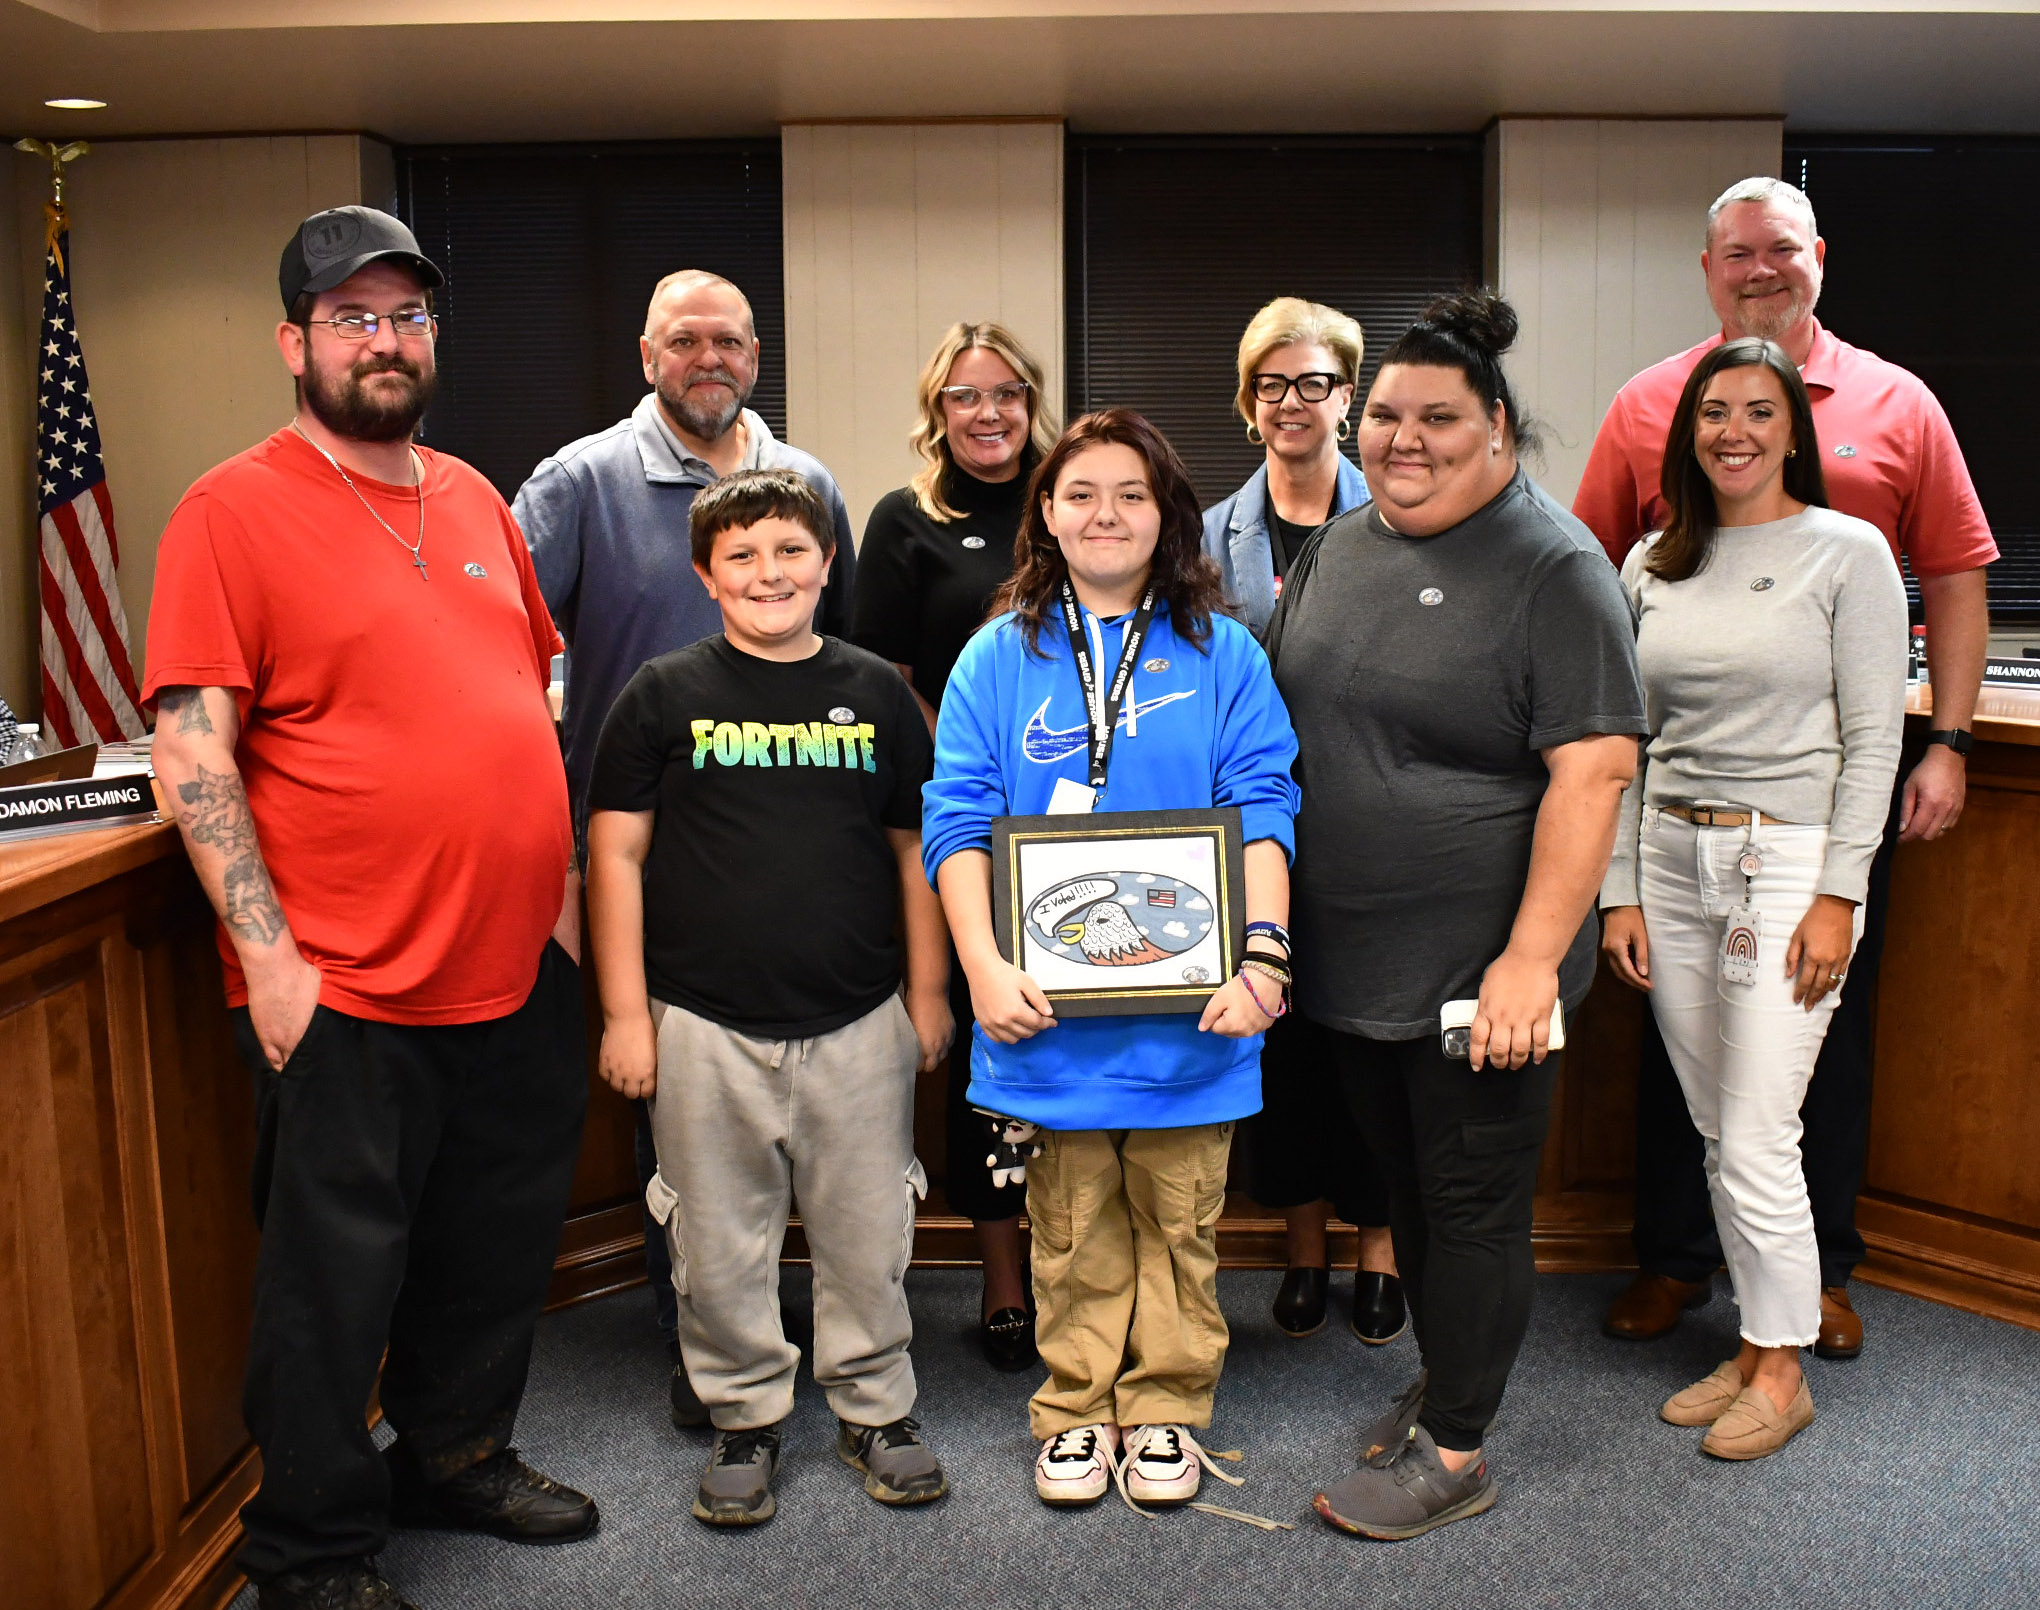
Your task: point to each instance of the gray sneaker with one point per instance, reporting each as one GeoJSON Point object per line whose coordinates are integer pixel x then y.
{"type": "Point", "coordinates": [736, 1489]}
{"type": "Point", "coordinates": [1406, 1491]}
{"type": "Point", "coordinates": [1393, 1428]}
{"type": "Point", "coordinates": [899, 1467]}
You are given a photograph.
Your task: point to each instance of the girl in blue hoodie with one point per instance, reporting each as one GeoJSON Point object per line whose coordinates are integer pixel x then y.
{"type": "Point", "coordinates": [1136, 1113]}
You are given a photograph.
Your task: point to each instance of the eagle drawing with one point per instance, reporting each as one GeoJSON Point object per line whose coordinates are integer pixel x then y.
{"type": "Point", "coordinates": [1109, 938]}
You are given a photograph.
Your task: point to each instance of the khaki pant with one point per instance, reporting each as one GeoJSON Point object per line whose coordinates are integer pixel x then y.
{"type": "Point", "coordinates": [1126, 1275]}
{"type": "Point", "coordinates": [744, 1127]}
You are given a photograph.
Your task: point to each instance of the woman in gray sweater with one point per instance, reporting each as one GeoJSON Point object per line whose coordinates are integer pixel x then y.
{"type": "Point", "coordinates": [1771, 636]}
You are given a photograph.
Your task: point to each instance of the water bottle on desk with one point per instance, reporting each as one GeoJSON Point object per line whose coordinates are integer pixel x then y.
{"type": "Point", "coordinates": [27, 745]}
{"type": "Point", "coordinates": [1916, 660]}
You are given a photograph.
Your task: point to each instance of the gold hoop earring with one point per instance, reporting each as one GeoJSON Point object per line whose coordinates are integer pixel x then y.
{"type": "Point", "coordinates": [1344, 428]}
{"type": "Point", "coordinates": [1254, 435]}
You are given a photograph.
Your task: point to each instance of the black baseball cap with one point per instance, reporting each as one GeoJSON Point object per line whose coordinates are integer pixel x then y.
{"type": "Point", "coordinates": [333, 244]}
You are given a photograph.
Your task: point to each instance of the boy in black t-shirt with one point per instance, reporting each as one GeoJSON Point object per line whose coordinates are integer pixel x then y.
{"type": "Point", "coordinates": [755, 833]}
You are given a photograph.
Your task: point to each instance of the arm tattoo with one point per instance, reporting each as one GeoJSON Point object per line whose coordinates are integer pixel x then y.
{"type": "Point", "coordinates": [219, 817]}
{"type": "Point", "coordinates": [188, 705]}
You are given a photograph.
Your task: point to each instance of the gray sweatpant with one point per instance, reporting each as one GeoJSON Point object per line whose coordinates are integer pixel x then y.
{"type": "Point", "coordinates": [743, 1127]}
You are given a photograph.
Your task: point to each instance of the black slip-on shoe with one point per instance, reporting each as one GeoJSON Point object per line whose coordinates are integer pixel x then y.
{"type": "Point", "coordinates": [502, 1496]}
{"type": "Point", "coordinates": [1007, 1339]}
{"type": "Point", "coordinates": [1379, 1313]}
{"type": "Point", "coordinates": [1299, 1307]}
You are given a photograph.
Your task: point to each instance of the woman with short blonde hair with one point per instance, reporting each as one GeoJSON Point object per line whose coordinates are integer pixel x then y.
{"type": "Point", "coordinates": [934, 552]}
{"type": "Point", "coordinates": [1298, 364]}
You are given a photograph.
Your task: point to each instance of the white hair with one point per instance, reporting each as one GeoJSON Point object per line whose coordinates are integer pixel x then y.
{"type": "Point", "coordinates": [1761, 188]}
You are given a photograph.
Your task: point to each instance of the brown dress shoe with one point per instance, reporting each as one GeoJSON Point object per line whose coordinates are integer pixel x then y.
{"type": "Point", "coordinates": [1753, 1427]}
{"type": "Point", "coordinates": [1841, 1332]}
{"type": "Point", "coordinates": [1651, 1305]}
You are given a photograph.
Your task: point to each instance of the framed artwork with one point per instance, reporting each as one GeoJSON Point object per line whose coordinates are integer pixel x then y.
{"type": "Point", "coordinates": [1121, 911]}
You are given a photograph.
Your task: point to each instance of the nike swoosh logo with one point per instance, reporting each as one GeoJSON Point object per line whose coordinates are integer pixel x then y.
{"type": "Point", "coordinates": [1046, 745]}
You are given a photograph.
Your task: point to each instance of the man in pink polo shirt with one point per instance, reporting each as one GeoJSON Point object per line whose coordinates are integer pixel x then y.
{"type": "Point", "coordinates": [1889, 457]}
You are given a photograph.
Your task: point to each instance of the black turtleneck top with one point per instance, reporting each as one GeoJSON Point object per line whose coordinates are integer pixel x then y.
{"type": "Point", "coordinates": [922, 585]}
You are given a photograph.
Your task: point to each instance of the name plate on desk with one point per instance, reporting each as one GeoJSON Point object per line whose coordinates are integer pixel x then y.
{"type": "Point", "coordinates": [42, 808]}
{"type": "Point", "coordinates": [2011, 673]}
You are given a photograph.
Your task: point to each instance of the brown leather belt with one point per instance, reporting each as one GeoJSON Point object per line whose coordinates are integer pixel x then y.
{"type": "Point", "coordinates": [1715, 816]}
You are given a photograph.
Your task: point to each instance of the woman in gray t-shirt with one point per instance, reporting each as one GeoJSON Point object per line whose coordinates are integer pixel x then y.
{"type": "Point", "coordinates": [1772, 639]}
{"type": "Point", "coordinates": [1460, 667]}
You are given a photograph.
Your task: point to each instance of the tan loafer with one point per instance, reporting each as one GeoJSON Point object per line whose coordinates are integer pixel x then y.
{"type": "Point", "coordinates": [1705, 1401]}
{"type": "Point", "coordinates": [1753, 1427]}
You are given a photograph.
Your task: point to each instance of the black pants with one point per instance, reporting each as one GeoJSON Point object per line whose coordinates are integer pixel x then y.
{"type": "Point", "coordinates": [410, 1185]}
{"type": "Point", "coordinates": [1458, 1151]}
{"type": "Point", "coordinates": [1675, 1233]}
{"type": "Point", "coordinates": [967, 1182]}
{"type": "Point", "coordinates": [1303, 1146]}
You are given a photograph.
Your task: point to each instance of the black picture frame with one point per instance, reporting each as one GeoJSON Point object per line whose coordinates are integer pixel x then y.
{"type": "Point", "coordinates": [1055, 869]}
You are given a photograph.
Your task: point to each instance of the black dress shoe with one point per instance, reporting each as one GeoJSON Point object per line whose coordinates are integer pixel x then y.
{"type": "Point", "coordinates": [1008, 1340]}
{"type": "Point", "coordinates": [1300, 1305]}
{"type": "Point", "coordinates": [331, 1585]}
{"type": "Point", "coordinates": [688, 1409]}
{"type": "Point", "coordinates": [502, 1496]}
{"type": "Point", "coordinates": [1379, 1314]}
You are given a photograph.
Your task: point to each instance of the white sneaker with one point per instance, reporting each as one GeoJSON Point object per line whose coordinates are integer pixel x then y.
{"type": "Point", "coordinates": [1163, 1465]}
{"type": "Point", "coordinates": [1076, 1466]}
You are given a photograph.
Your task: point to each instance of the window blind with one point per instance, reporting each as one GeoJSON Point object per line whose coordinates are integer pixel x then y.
{"type": "Point", "coordinates": [551, 253]}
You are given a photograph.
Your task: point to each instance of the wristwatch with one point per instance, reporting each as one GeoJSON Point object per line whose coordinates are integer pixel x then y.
{"type": "Point", "coordinates": [1954, 737]}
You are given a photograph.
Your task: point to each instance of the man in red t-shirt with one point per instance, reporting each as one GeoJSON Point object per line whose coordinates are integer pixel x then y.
{"type": "Point", "coordinates": [348, 654]}
{"type": "Point", "coordinates": [1890, 457]}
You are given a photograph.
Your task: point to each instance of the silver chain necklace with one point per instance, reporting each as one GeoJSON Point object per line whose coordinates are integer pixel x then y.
{"type": "Point", "coordinates": [412, 548]}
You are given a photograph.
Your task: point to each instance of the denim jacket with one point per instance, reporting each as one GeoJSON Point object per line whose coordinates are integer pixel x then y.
{"type": "Point", "coordinates": [1236, 538]}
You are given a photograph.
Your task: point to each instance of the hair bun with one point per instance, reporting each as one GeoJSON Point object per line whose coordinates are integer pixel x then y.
{"type": "Point", "coordinates": [1480, 316]}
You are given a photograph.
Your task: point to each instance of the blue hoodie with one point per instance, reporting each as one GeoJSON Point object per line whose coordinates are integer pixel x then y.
{"type": "Point", "coordinates": [1197, 729]}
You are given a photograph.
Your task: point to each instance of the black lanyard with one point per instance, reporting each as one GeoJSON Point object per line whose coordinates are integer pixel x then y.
{"type": "Point", "coordinates": [1104, 718]}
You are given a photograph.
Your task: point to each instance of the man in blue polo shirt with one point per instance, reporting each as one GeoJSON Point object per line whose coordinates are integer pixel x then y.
{"type": "Point", "coordinates": [607, 520]}
{"type": "Point", "coordinates": [606, 516]}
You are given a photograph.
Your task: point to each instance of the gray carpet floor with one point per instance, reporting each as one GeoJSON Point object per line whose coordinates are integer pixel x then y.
{"type": "Point", "coordinates": [1914, 1488]}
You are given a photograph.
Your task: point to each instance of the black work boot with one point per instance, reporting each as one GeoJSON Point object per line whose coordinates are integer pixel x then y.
{"type": "Point", "coordinates": [331, 1585]}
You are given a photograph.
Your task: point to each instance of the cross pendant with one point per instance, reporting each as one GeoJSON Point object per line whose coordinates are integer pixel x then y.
{"type": "Point", "coordinates": [418, 559]}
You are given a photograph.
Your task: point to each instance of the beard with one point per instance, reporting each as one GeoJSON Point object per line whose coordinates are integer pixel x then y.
{"type": "Point", "coordinates": [342, 402]}
{"type": "Point", "coordinates": [1772, 318]}
{"type": "Point", "coordinates": [705, 408]}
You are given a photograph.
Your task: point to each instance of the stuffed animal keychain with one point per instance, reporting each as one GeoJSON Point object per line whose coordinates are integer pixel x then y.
{"type": "Point", "coordinates": [1014, 1141]}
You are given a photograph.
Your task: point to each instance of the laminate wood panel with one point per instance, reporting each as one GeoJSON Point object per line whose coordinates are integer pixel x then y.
{"type": "Point", "coordinates": [76, 1512]}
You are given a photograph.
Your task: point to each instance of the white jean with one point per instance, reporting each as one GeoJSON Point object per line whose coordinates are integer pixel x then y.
{"type": "Point", "coordinates": [1743, 1052]}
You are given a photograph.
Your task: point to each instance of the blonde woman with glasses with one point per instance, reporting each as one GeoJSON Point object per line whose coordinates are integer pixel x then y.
{"type": "Point", "coordinates": [934, 552]}
{"type": "Point", "coordinates": [1298, 364]}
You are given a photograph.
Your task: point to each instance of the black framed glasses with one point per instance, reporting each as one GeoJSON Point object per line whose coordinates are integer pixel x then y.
{"type": "Point", "coordinates": [1009, 395]}
{"type": "Point", "coordinates": [410, 324]}
{"type": "Point", "coordinates": [1270, 388]}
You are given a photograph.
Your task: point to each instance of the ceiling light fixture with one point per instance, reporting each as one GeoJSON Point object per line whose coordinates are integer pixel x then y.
{"type": "Point", "coordinates": [76, 103]}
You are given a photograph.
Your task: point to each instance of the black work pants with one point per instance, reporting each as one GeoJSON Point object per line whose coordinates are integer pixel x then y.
{"type": "Point", "coordinates": [1674, 1233]}
{"type": "Point", "coordinates": [410, 1183]}
{"type": "Point", "coordinates": [1458, 1151]}
{"type": "Point", "coordinates": [1302, 1146]}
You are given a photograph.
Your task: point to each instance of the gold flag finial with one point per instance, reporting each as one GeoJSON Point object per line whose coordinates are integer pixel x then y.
{"type": "Point", "coordinates": [55, 222]}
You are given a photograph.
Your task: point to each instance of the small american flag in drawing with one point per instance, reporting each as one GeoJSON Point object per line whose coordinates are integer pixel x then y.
{"type": "Point", "coordinates": [1161, 897]}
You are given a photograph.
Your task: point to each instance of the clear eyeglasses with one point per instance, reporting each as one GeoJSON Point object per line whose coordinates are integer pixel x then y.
{"type": "Point", "coordinates": [1012, 394]}
{"type": "Point", "coordinates": [410, 323]}
{"type": "Point", "coordinates": [1270, 388]}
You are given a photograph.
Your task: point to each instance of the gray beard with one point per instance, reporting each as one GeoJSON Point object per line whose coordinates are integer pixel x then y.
{"type": "Point", "coordinates": [704, 411]}
{"type": "Point", "coordinates": [1770, 328]}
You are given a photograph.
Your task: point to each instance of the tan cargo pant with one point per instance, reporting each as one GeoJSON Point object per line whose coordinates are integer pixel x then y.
{"type": "Point", "coordinates": [1126, 1275]}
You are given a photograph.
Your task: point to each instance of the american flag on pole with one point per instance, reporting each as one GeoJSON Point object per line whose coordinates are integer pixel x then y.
{"type": "Point", "coordinates": [88, 679]}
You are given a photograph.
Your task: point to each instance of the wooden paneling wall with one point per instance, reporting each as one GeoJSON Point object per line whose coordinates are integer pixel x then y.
{"type": "Point", "coordinates": [1596, 240]}
{"type": "Point", "coordinates": [127, 1249]}
{"type": "Point", "coordinates": [894, 231]}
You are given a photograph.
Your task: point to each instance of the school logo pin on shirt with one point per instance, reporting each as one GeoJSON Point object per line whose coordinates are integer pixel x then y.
{"type": "Point", "coordinates": [1845, 450]}
{"type": "Point", "coordinates": [973, 542]}
{"type": "Point", "coordinates": [1154, 667]}
{"type": "Point", "coordinates": [1763, 584]}
{"type": "Point", "coordinates": [475, 570]}
{"type": "Point", "coordinates": [1431, 596]}
{"type": "Point", "coordinates": [842, 715]}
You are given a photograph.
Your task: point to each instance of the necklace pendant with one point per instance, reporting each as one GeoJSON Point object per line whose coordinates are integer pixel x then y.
{"type": "Point", "coordinates": [418, 559]}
